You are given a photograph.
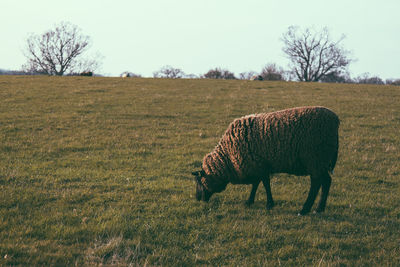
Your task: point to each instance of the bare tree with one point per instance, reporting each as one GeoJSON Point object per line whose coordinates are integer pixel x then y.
{"type": "Point", "coordinates": [168, 72]}
{"type": "Point", "coordinates": [313, 54]}
{"type": "Point", "coordinates": [58, 51]}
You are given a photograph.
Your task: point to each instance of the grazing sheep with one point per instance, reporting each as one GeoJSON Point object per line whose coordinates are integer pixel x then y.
{"type": "Point", "coordinates": [256, 78]}
{"type": "Point", "coordinates": [125, 75]}
{"type": "Point", "coordinates": [299, 141]}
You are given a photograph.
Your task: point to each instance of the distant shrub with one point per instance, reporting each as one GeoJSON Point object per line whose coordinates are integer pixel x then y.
{"type": "Point", "coordinates": [271, 72]}
{"type": "Point", "coordinates": [393, 82]}
{"type": "Point", "coordinates": [219, 73]}
{"type": "Point", "coordinates": [13, 72]}
{"type": "Point", "coordinates": [86, 73]}
{"type": "Point", "coordinates": [372, 80]}
{"type": "Point", "coordinates": [366, 79]}
{"type": "Point", "coordinates": [396, 82]}
{"type": "Point", "coordinates": [336, 77]}
{"type": "Point", "coordinates": [169, 72]}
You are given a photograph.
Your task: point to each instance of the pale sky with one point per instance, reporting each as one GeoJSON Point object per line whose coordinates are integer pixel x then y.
{"type": "Point", "coordinates": [195, 36]}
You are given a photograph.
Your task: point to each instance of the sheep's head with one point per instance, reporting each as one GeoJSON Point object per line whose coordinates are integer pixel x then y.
{"type": "Point", "coordinates": [203, 192]}
{"type": "Point", "coordinates": [207, 185]}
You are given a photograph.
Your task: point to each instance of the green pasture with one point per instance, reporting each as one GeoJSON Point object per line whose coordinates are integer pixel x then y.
{"type": "Point", "coordinates": [97, 171]}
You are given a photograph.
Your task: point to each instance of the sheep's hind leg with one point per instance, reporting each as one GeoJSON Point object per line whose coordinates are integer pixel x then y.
{"type": "Point", "coordinates": [312, 194]}
{"type": "Point", "coordinates": [326, 184]}
{"type": "Point", "coordinates": [270, 202]}
{"type": "Point", "coordinates": [252, 193]}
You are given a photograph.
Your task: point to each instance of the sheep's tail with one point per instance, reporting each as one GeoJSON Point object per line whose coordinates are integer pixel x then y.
{"type": "Point", "coordinates": [333, 161]}
{"type": "Point", "coordinates": [334, 155]}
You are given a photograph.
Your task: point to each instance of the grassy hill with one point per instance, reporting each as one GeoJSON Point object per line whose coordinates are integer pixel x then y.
{"type": "Point", "coordinates": [97, 171]}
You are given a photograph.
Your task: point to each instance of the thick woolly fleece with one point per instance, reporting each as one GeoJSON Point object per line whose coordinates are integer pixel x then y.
{"type": "Point", "coordinates": [299, 141]}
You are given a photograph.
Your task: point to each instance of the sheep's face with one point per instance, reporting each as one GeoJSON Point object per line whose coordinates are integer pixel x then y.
{"type": "Point", "coordinates": [202, 193]}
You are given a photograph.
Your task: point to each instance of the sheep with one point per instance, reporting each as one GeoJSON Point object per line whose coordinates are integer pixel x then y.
{"type": "Point", "coordinates": [299, 141]}
{"type": "Point", "coordinates": [256, 78]}
{"type": "Point", "coordinates": [125, 75]}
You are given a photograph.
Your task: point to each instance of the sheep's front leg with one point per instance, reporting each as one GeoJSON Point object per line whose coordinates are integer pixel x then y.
{"type": "Point", "coordinates": [252, 193]}
{"type": "Point", "coordinates": [270, 202]}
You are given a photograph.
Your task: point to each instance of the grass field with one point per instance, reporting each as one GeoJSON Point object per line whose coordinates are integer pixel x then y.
{"type": "Point", "coordinates": [97, 171]}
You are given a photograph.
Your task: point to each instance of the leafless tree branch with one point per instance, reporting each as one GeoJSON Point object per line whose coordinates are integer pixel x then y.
{"type": "Point", "coordinates": [314, 55]}
{"type": "Point", "coordinates": [58, 51]}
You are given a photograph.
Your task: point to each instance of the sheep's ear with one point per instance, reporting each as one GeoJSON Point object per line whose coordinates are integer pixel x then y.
{"type": "Point", "coordinates": [198, 173]}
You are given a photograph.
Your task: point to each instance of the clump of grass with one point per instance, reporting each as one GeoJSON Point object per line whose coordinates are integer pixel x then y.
{"type": "Point", "coordinates": [97, 172]}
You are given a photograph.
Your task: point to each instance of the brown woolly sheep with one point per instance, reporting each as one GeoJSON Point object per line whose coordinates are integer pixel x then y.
{"type": "Point", "coordinates": [299, 141]}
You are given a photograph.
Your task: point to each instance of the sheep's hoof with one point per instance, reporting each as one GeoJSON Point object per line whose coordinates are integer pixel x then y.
{"type": "Point", "coordinates": [270, 206]}
{"type": "Point", "coordinates": [302, 213]}
{"type": "Point", "coordinates": [319, 210]}
{"type": "Point", "coordinates": [248, 203]}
